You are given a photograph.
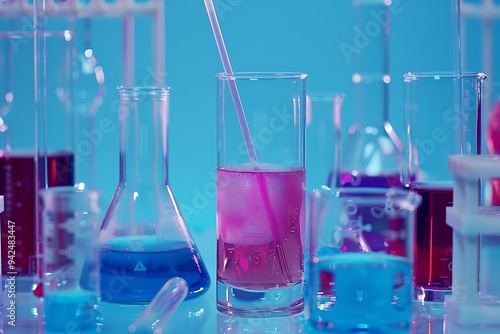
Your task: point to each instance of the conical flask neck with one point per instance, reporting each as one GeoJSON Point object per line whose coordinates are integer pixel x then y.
{"type": "Point", "coordinates": [143, 136]}
{"type": "Point", "coordinates": [370, 103]}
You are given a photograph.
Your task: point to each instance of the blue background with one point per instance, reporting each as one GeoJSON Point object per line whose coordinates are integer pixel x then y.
{"type": "Point", "coordinates": [261, 35]}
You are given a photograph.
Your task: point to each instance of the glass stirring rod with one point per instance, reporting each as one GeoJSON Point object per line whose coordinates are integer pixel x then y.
{"type": "Point", "coordinates": [166, 301]}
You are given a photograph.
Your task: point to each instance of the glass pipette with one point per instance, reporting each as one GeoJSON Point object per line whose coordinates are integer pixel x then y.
{"type": "Point", "coordinates": [165, 302]}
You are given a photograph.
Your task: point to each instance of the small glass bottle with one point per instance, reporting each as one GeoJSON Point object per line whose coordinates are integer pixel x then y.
{"type": "Point", "coordinates": [144, 239]}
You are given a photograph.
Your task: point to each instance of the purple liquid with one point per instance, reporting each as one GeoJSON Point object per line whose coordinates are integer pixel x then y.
{"type": "Point", "coordinates": [350, 180]}
{"type": "Point", "coordinates": [17, 184]}
{"type": "Point", "coordinates": [376, 241]}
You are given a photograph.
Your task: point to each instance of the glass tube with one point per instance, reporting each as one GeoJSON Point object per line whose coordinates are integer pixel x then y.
{"type": "Point", "coordinates": [369, 146]}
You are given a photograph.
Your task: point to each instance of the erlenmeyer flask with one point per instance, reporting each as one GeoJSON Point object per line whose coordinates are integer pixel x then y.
{"type": "Point", "coordinates": [144, 239]}
{"type": "Point", "coordinates": [369, 150]}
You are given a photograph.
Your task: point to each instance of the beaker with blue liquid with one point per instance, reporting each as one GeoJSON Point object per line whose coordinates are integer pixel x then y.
{"type": "Point", "coordinates": [361, 258]}
{"type": "Point", "coordinates": [144, 239]}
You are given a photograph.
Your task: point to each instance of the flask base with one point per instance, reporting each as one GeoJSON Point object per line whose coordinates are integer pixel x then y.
{"type": "Point", "coordinates": [263, 303]}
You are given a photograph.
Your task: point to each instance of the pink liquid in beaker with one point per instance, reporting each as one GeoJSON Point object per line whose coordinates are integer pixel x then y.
{"type": "Point", "coordinates": [246, 249]}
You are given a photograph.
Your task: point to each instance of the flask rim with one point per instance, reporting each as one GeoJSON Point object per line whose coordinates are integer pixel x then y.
{"type": "Point", "coordinates": [261, 75]}
{"type": "Point", "coordinates": [136, 92]}
{"type": "Point", "coordinates": [20, 34]}
{"type": "Point", "coordinates": [407, 199]}
{"type": "Point", "coordinates": [53, 197]}
{"type": "Point", "coordinates": [412, 76]}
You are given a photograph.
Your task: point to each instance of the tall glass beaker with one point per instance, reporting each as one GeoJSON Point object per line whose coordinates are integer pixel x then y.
{"type": "Point", "coordinates": [369, 146]}
{"type": "Point", "coordinates": [144, 238]}
{"type": "Point", "coordinates": [260, 194]}
{"type": "Point", "coordinates": [22, 172]}
{"type": "Point", "coordinates": [323, 113]}
{"type": "Point", "coordinates": [89, 91]}
{"type": "Point", "coordinates": [442, 118]}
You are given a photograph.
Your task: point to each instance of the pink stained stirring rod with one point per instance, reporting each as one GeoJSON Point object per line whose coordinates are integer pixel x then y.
{"type": "Point", "coordinates": [221, 46]}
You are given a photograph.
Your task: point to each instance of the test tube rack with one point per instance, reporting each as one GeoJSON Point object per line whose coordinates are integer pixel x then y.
{"type": "Point", "coordinates": [125, 9]}
{"type": "Point", "coordinates": [475, 297]}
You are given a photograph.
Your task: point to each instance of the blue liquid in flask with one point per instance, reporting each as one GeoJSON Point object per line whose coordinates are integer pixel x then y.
{"type": "Point", "coordinates": [133, 269]}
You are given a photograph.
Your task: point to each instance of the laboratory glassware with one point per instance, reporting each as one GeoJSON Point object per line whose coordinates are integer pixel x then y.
{"type": "Point", "coordinates": [260, 196]}
{"type": "Point", "coordinates": [323, 113]}
{"type": "Point", "coordinates": [360, 258]}
{"type": "Point", "coordinates": [70, 222]}
{"type": "Point", "coordinates": [144, 238]}
{"type": "Point", "coordinates": [442, 118]}
{"type": "Point", "coordinates": [369, 146]}
{"type": "Point", "coordinates": [480, 22]}
{"type": "Point", "coordinates": [293, 324]}
{"type": "Point", "coordinates": [29, 162]}
{"type": "Point", "coordinates": [156, 315]}
{"type": "Point", "coordinates": [171, 312]}
{"type": "Point", "coordinates": [89, 93]}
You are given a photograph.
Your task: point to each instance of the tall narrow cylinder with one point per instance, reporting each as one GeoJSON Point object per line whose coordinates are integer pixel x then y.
{"type": "Point", "coordinates": [261, 202]}
{"type": "Point", "coordinates": [369, 145]}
